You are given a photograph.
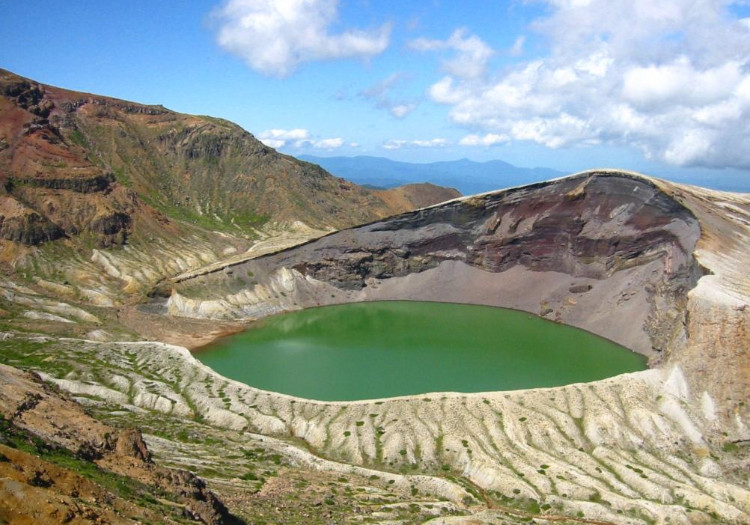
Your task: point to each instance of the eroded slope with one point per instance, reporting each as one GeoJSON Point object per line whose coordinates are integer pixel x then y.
{"type": "Point", "coordinates": [45, 438]}
{"type": "Point", "coordinates": [635, 449]}
{"type": "Point", "coordinates": [609, 253]}
{"type": "Point", "coordinates": [107, 197]}
{"type": "Point", "coordinates": [659, 266]}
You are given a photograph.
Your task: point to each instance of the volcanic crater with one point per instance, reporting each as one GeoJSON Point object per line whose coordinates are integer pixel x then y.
{"type": "Point", "coordinates": [607, 252]}
{"type": "Point", "coordinates": [654, 266]}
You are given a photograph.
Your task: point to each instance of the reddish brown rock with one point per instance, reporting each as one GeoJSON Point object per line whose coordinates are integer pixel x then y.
{"type": "Point", "coordinates": [33, 407]}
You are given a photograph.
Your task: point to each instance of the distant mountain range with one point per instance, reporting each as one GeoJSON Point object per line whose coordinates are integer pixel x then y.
{"type": "Point", "coordinates": [471, 177]}
{"type": "Point", "coordinates": [466, 176]}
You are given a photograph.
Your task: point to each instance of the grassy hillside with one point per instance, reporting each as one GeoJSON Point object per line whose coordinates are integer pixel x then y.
{"type": "Point", "coordinates": [107, 158]}
{"type": "Point", "coordinates": [107, 195]}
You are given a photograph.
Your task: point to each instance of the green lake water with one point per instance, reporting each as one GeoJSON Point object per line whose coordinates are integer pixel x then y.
{"type": "Point", "coordinates": [385, 349]}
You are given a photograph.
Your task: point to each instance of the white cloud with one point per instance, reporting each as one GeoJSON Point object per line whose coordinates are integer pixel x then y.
{"type": "Point", "coordinates": [690, 147]}
{"type": "Point", "coordinates": [447, 91]}
{"type": "Point", "coordinates": [285, 134]}
{"type": "Point", "coordinates": [680, 82]}
{"type": "Point", "coordinates": [517, 48]}
{"type": "Point", "coordinates": [652, 75]}
{"type": "Point", "coordinates": [381, 94]}
{"type": "Point", "coordinates": [394, 144]}
{"type": "Point", "coordinates": [428, 143]}
{"type": "Point", "coordinates": [275, 36]}
{"type": "Point", "coordinates": [490, 139]}
{"type": "Point", "coordinates": [471, 53]}
{"type": "Point", "coordinates": [401, 110]}
{"type": "Point", "coordinates": [297, 138]}
{"type": "Point", "coordinates": [278, 138]}
{"type": "Point", "coordinates": [431, 143]}
{"type": "Point", "coordinates": [273, 143]}
{"type": "Point", "coordinates": [328, 143]}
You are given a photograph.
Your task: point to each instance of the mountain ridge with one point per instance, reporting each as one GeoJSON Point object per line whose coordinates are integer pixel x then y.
{"type": "Point", "coordinates": [467, 176]}
{"type": "Point", "coordinates": [112, 159]}
{"type": "Point", "coordinates": [91, 185]}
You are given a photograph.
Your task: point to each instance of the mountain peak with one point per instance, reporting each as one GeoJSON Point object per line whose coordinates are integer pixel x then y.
{"type": "Point", "coordinates": [75, 164]}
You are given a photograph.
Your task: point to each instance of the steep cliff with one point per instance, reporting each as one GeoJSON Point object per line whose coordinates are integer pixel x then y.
{"type": "Point", "coordinates": [654, 266]}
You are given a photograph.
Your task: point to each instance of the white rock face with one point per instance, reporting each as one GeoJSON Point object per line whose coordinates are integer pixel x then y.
{"type": "Point", "coordinates": [44, 316]}
{"type": "Point", "coordinates": [636, 440]}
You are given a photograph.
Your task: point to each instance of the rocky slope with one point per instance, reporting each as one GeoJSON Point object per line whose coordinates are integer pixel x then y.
{"type": "Point", "coordinates": [413, 196]}
{"type": "Point", "coordinates": [655, 266]}
{"type": "Point", "coordinates": [88, 226]}
{"type": "Point", "coordinates": [102, 159]}
{"type": "Point", "coordinates": [48, 441]}
{"type": "Point", "coordinates": [606, 252]}
{"type": "Point", "coordinates": [83, 173]}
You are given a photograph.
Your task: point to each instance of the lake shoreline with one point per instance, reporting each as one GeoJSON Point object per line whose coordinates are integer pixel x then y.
{"type": "Point", "coordinates": [384, 349]}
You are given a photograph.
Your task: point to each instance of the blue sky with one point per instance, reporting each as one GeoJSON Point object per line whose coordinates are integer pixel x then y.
{"type": "Point", "coordinates": [660, 86]}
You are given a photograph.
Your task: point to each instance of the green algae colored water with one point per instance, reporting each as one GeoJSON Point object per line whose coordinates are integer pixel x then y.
{"type": "Point", "coordinates": [385, 349]}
